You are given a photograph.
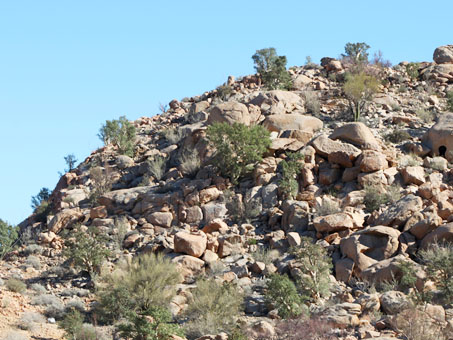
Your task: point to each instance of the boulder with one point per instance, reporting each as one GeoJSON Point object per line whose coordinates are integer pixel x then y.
{"type": "Point", "coordinates": [333, 223]}
{"type": "Point", "coordinates": [370, 161]}
{"type": "Point", "coordinates": [124, 162]}
{"type": "Point", "coordinates": [325, 146]}
{"type": "Point", "coordinates": [443, 55]}
{"type": "Point", "coordinates": [278, 102]}
{"type": "Point", "coordinates": [368, 246]}
{"type": "Point", "coordinates": [124, 199]}
{"type": "Point", "coordinates": [440, 234]}
{"type": "Point", "coordinates": [98, 212]}
{"type": "Point", "coordinates": [342, 315]}
{"type": "Point", "coordinates": [283, 122]}
{"type": "Point", "coordinates": [397, 214]}
{"type": "Point", "coordinates": [439, 138]}
{"type": "Point", "coordinates": [356, 133]}
{"type": "Point", "coordinates": [413, 175]}
{"type": "Point", "coordinates": [193, 244]}
{"type": "Point", "coordinates": [393, 302]}
{"type": "Point", "coordinates": [162, 219]}
{"type": "Point", "coordinates": [230, 112]}
{"type": "Point", "coordinates": [64, 219]}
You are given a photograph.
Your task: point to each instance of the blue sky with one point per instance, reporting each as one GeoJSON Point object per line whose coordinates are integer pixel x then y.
{"type": "Point", "coordinates": [67, 66]}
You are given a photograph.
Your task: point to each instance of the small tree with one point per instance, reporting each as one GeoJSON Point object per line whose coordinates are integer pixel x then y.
{"type": "Point", "coordinates": [121, 133]}
{"type": "Point", "coordinates": [282, 294]}
{"type": "Point", "coordinates": [86, 249]}
{"type": "Point", "coordinates": [42, 196]}
{"type": "Point", "coordinates": [237, 147]}
{"type": "Point", "coordinates": [314, 265]}
{"type": "Point", "coordinates": [272, 69]}
{"type": "Point", "coordinates": [356, 52]}
{"type": "Point", "coordinates": [71, 161]}
{"type": "Point", "coordinates": [290, 169]}
{"type": "Point", "coordinates": [359, 89]}
{"type": "Point", "coordinates": [8, 236]}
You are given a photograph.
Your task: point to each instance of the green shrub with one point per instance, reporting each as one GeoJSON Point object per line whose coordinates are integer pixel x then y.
{"type": "Point", "coordinates": [41, 205]}
{"type": "Point", "coordinates": [398, 135]}
{"type": "Point", "coordinates": [290, 169]}
{"type": "Point", "coordinates": [425, 116]}
{"type": "Point", "coordinates": [119, 132]}
{"type": "Point", "coordinates": [327, 207]}
{"type": "Point", "coordinates": [314, 265]}
{"type": "Point", "coordinates": [148, 281]}
{"type": "Point", "coordinates": [86, 249]}
{"type": "Point", "coordinates": [356, 52]}
{"type": "Point", "coordinates": [272, 69]}
{"type": "Point", "coordinates": [101, 182]}
{"type": "Point", "coordinates": [156, 167]}
{"type": "Point", "coordinates": [282, 294]}
{"type": "Point", "coordinates": [33, 261]}
{"type": "Point", "coordinates": [8, 237]}
{"type": "Point", "coordinates": [438, 261]}
{"type": "Point", "coordinates": [374, 198]}
{"type": "Point", "coordinates": [214, 309]}
{"type": "Point", "coordinates": [72, 324]}
{"type": "Point", "coordinates": [450, 100]}
{"type": "Point", "coordinates": [190, 163]}
{"type": "Point", "coordinates": [15, 285]}
{"type": "Point", "coordinates": [412, 70]}
{"type": "Point", "coordinates": [237, 147]}
{"type": "Point", "coordinates": [152, 324]}
{"type": "Point", "coordinates": [359, 89]}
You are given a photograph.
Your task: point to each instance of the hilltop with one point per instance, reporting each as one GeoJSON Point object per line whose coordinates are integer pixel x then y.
{"type": "Point", "coordinates": [332, 198]}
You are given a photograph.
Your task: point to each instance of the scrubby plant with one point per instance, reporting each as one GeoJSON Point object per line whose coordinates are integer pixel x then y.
{"type": "Point", "coordinates": [282, 294]}
{"type": "Point", "coordinates": [314, 265]}
{"type": "Point", "coordinates": [190, 162]}
{"type": "Point", "coordinates": [327, 207]}
{"type": "Point", "coordinates": [356, 52]}
{"type": "Point", "coordinates": [291, 167]}
{"type": "Point", "coordinates": [450, 100]}
{"type": "Point", "coordinates": [272, 69]}
{"type": "Point", "coordinates": [409, 160]}
{"type": "Point", "coordinates": [241, 210]}
{"type": "Point", "coordinates": [425, 116]}
{"type": "Point", "coordinates": [148, 281]}
{"type": "Point", "coordinates": [15, 285]}
{"type": "Point", "coordinates": [15, 336]}
{"type": "Point", "coordinates": [375, 197]}
{"type": "Point", "coordinates": [8, 237]}
{"type": "Point", "coordinates": [37, 288]}
{"type": "Point", "coordinates": [33, 261]}
{"type": "Point", "coordinates": [152, 324]}
{"type": "Point", "coordinates": [359, 88]}
{"type": "Point", "coordinates": [157, 166]}
{"type": "Point", "coordinates": [438, 261]}
{"type": "Point", "coordinates": [173, 135]}
{"type": "Point", "coordinates": [33, 249]}
{"type": "Point", "coordinates": [214, 308]}
{"type": "Point", "coordinates": [312, 104]}
{"type": "Point", "coordinates": [72, 324]}
{"type": "Point", "coordinates": [101, 178]}
{"type": "Point", "coordinates": [86, 248]}
{"type": "Point", "coordinates": [398, 135]}
{"type": "Point", "coordinates": [41, 205]}
{"type": "Point", "coordinates": [267, 256]}
{"type": "Point", "coordinates": [43, 195]}
{"type": "Point", "coordinates": [54, 308]}
{"type": "Point", "coordinates": [224, 91]}
{"type": "Point", "coordinates": [412, 70]}
{"type": "Point", "coordinates": [237, 147]}
{"type": "Point", "coordinates": [121, 133]}
{"type": "Point", "coordinates": [29, 320]}
{"type": "Point", "coordinates": [304, 328]}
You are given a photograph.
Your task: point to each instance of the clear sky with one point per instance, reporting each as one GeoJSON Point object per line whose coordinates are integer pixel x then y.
{"type": "Point", "coordinates": [67, 66]}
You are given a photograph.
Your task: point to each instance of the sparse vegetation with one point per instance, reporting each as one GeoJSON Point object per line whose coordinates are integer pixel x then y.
{"type": "Point", "coordinates": [41, 204]}
{"type": "Point", "coordinates": [410, 160]}
{"type": "Point", "coordinates": [282, 294]}
{"type": "Point", "coordinates": [157, 166]}
{"type": "Point", "coordinates": [290, 169]}
{"type": "Point", "coordinates": [240, 210]}
{"type": "Point", "coordinates": [237, 147]}
{"type": "Point", "coordinates": [359, 89]}
{"type": "Point", "coordinates": [119, 132]}
{"type": "Point", "coordinates": [272, 69]}
{"type": "Point", "coordinates": [224, 91]}
{"type": "Point", "coordinates": [327, 207]}
{"type": "Point", "coordinates": [450, 100]}
{"type": "Point", "coordinates": [101, 182]}
{"type": "Point", "coordinates": [305, 329]}
{"type": "Point", "coordinates": [173, 135]}
{"type": "Point", "coordinates": [375, 196]}
{"type": "Point", "coordinates": [86, 249]}
{"type": "Point", "coordinates": [29, 321]}
{"type": "Point", "coordinates": [425, 116]}
{"type": "Point", "coordinates": [15, 285]}
{"type": "Point", "coordinates": [356, 52]}
{"type": "Point", "coordinates": [397, 136]}
{"type": "Point", "coordinates": [412, 70]}
{"type": "Point", "coordinates": [314, 270]}
{"type": "Point", "coordinates": [312, 104]}
{"type": "Point", "coordinates": [8, 237]}
{"type": "Point", "coordinates": [214, 308]}
{"type": "Point", "coordinates": [190, 163]}
{"type": "Point", "coordinates": [54, 308]}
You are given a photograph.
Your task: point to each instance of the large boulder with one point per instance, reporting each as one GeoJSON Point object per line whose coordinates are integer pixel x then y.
{"type": "Point", "coordinates": [368, 246]}
{"type": "Point", "coordinates": [397, 214]}
{"type": "Point", "coordinates": [439, 137]}
{"type": "Point", "coordinates": [332, 223]}
{"type": "Point", "coordinates": [342, 315]}
{"type": "Point", "coordinates": [193, 244]}
{"type": "Point", "coordinates": [443, 55]}
{"type": "Point", "coordinates": [442, 73]}
{"type": "Point", "coordinates": [440, 234]}
{"type": "Point", "coordinates": [370, 161]}
{"type": "Point", "coordinates": [324, 146]}
{"type": "Point", "coordinates": [278, 102]}
{"type": "Point", "coordinates": [230, 112]}
{"type": "Point", "coordinates": [356, 133]}
{"type": "Point", "coordinates": [292, 122]}
{"type": "Point", "coordinates": [64, 219]}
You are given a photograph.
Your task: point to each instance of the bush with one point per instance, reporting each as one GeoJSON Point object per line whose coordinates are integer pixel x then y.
{"type": "Point", "coordinates": [314, 265]}
{"type": "Point", "coordinates": [29, 320]}
{"type": "Point", "coordinates": [304, 329]}
{"type": "Point", "coordinates": [272, 69]}
{"type": "Point", "coordinates": [101, 182]}
{"type": "Point", "coordinates": [213, 309]}
{"type": "Point", "coordinates": [282, 294]}
{"type": "Point", "coordinates": [173, 135]}
{"type": "Point", "coordinates": [290, 169]}
{"type": "Point", "coordinates": [119, 132]}
{"type": "Point", "coordinates": [156, 167]}
{"type": "Point", "coordinates": [237, 147]}
{"type": "Point", "coordinates": [312, 104]}
{"type": "Point", "coordinates": [41, 205]}
{"type": "Point", "coordinates": [15, 285]}
{"type": "Point", "coordinates": [438, 260]}
{"type": "Point", "coordinates": [8, 237]}
{"type": "Point", "coordinates": [327, 207]}
{"type": "Point", "coordinates": [264, 255]}
{"type": "Point", "coordinates": [241, 210]}
{"type": "Point", "coordinates": [450, 100]}
{"type": "Point", "coordinates": [397, 136]}
{"type": "Point", "coordinates": [72, 324]}
{"type": "Point", "coordinates": [412, 70]}
{"type": "Point", "coordinates": [152, 324]}
{"type": "Point", "coordinates": [40, 289]}
{"type": "Point", "coordinates": [359, 89]}
{"type": "Point", "coordinates": [86, 249]}
{"type": "Point", "coordinates": [15, 336]}
{"type": "Point", "coordinates": [224, 91]}
{"type": "Point", "coordinates": [71, 161]}
{"type": "Point", "coordinates": [425, 116]}
{"type": "Point", "coordinates": [53, 306]}
{"type": "Point", "coordinates": [148, 281]}
{"type": "Point", "coordinates": [190, 163]}
{"type": "Point", "coordinates": [33, 261]}
{"type": "Point", "coordinates": [356, 52]}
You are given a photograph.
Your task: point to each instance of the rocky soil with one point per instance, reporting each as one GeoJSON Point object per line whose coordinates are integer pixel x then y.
{"type": "Point", "coordinates": [403, 145]}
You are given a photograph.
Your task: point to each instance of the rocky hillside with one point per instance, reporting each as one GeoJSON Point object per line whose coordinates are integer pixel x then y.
{"type": "Point", "coordinates": [376, 195]}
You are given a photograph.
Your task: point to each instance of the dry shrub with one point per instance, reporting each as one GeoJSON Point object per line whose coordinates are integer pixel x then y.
{"type": "Point", "coordinates": [304, 329]}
